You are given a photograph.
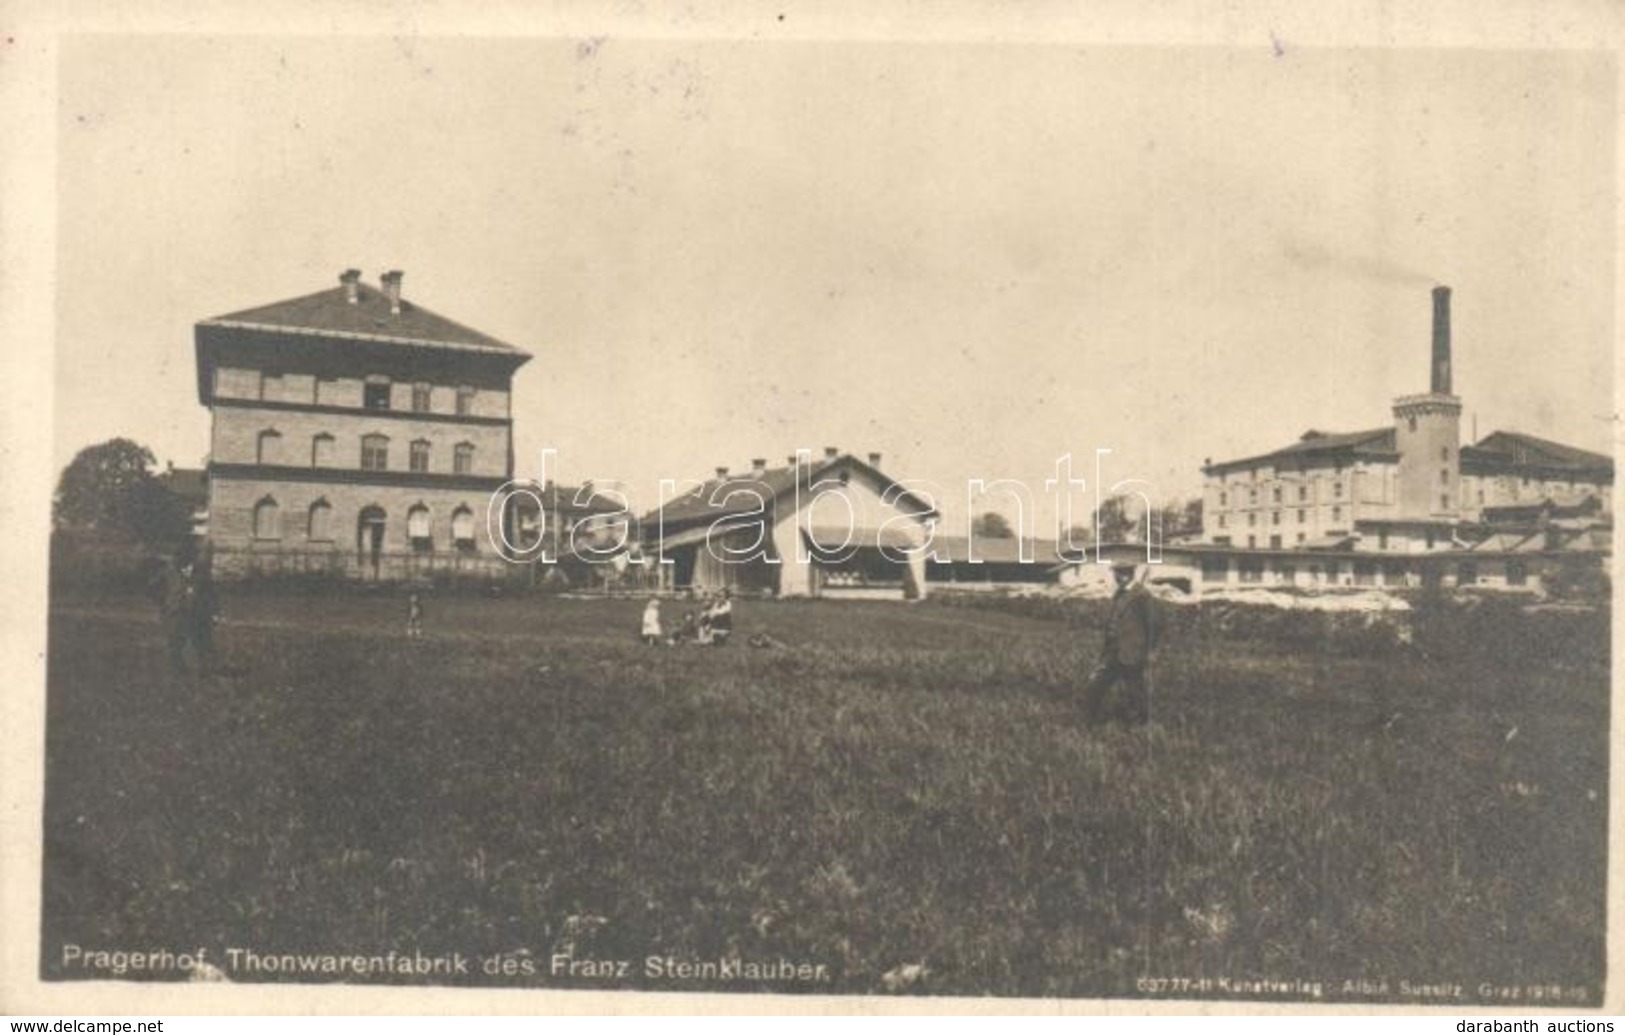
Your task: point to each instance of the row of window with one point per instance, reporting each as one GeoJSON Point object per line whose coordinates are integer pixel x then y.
{"type": "Point", "coordinates": [318, 522]}
{"type": "Point", "coordinates": [1275, 517]}
{"type": "Point", "coordinates": [374, 452]}
{"type": "Point", "coordinates": [1258, 474]}
{"type": "Point", "coordinates": [375, 393]}
{"type": "Point", "coordinates": [1275, 494]}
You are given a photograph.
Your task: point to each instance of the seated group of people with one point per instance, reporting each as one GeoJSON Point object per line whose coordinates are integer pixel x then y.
{"type": "Point", "coordinates": [710, 627]}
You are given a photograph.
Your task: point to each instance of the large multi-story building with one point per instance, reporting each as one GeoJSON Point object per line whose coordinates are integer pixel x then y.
{"type": "Point", "coordinates": [1409, 486]}
{"type": "Point", "coordinates": [353, 432]}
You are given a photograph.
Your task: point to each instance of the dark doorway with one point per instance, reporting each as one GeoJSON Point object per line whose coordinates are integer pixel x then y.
{"type": "Point", "coordinates": [369, 538]}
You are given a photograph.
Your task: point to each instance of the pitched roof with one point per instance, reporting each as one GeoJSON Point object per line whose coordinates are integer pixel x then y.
{"type": "Point", "coordinates": [1515, 447]}
{"type": "Point", "coordinates": [187, 483]}
{"type": "Point", "coordinates": [1377, 442]}
{"type": "Point", "coordinates": [327, 313]}
{"type": "Point", "coordinates": [740, 493]}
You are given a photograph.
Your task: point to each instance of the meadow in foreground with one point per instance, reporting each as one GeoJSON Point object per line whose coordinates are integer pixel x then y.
{"type": "Point", "coordinates": [904, 793]}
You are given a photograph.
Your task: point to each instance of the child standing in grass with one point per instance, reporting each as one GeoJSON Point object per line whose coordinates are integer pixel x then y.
{"type": "Point", "coordinates": [651, 622]}
{"type": "Point", "coordinates": [414, 617]}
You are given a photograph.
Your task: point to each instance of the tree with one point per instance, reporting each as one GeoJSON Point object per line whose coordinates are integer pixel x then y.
{"type": "Point", "coordinates": [1178, 518]}
{"type": "Point", "coordinates": [110, 491]}
{"type": "Point", "coordinates": [1115, 523]}
{"type": "Point", "coordinates": [991, 525]}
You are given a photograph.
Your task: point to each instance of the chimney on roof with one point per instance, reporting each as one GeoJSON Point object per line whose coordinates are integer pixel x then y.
{"type": "Point", "coordinates": [758, 467]}
{"type": "Point", "coordinates": [1441, 340]}
{"type": "Point", "coordinates": [722, 472]}
{"type": "Point", "coordinates": [351, 279]}
{"type": "Point", "coordinates": [874, 459]}
{"type": "Point", "coordinates": [830, 452]}
{"type": "Point", "coordinates": [392, 290]}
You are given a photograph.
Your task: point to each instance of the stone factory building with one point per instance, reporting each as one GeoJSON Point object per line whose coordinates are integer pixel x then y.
{"type": "Point", "coordinates": [354, 433]}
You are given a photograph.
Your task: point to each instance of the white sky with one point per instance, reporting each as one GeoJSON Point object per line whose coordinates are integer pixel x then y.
{"type": "Point", "coordinates": [971, 258]}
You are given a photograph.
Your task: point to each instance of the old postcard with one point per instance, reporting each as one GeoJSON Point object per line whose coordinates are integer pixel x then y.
{"type": "Point", "coordinates": [784, 508]}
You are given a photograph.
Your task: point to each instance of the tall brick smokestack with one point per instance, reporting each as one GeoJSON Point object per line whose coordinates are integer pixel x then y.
{"type": "Point", "coordinates": [1441, 340]}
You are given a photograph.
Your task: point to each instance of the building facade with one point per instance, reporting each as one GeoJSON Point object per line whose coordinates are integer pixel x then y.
{"type": "Point", "coordinates": [835, 526]}
{"type": "Point", "coordinates": [1406, 487]}
{"type": "Point", "coordinates": [355, 433]}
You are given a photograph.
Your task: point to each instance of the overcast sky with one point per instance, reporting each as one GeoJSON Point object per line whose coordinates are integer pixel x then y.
{"type": "Point", "coordinates": [971, 258]}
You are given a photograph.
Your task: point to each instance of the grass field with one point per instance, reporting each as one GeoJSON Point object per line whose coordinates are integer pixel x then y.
{"type": "Point", "coordinates": [903, 784]}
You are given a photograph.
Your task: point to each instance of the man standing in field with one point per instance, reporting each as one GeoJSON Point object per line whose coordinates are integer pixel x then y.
{"type": "Point", "coordinates": [1131, 632]}
{"type": "Point", "coordinates": [175, 593]}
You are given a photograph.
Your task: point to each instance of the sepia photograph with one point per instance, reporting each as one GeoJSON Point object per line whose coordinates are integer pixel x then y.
{"type": "Point", "coordinates": [800, 515]}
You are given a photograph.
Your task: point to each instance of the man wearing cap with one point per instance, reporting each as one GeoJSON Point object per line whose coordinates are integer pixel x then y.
{"type": "Point", "coordinates": [1130, 635]}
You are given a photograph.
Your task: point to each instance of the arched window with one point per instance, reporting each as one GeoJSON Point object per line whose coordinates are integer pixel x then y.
{"type": "Point", "coordinates": [462, 529]}
{"type": "Point", "coordinates": [375, 452]}
{"type": "Point", "coordinates": [321, 450]}
{"type": "Point", "coordinates": [418, 529]}
{"type": "Point", "coordinates": [420, 456]}
{"type": "Point", "coordinates": [268, 449]}
{"type": "Point", "coordinates": [267, 519]}
{"type": "Point", "coordinates": [319, 529]}
{"type": "Point", "coordinates": [463, 459]}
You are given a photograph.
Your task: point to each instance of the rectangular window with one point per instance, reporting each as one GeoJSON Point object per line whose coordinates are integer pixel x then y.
{"type": "Point", "coordinates": [1466, 574]}
{"type": "Point", "coordinates": [375, 453]}
{"type": "Point", "coordinates": [1337, 513]}
{"type": "Point", "coordinates": [1224, 498]}
{"type": "Point", "coordinates": [1365, 573]}
{"type": "Point", "coordinates": [1337, 489]}
{"type": "Point", "coordinates": [422, 396]}
{"type": "Point", "coordinates": [1275, 542]}
{"type": "Point", "coordinates": [1517, 573]}
{"type": "Point", "coordinates": [270, 385]}
{"type": "Point", "coordinates": [463, 459]}
{"type": "Point", "coordinates": [1275, 517]}
{"type": "Point", "coordinates": [1303, 516]}
{"type": "Point", "coordinates": [465, 400]}
{"type": "Point", "coordinates": [1303, 492]}
{"type": "Point", "coordinates": [1250, 569]}
{"type": "Point", "coordinates": [1215, 569]}
{"type": "Point", "coordinates": [419, 458]}
{"type": "Point", "coordinates": [1382, 539]}
{"type": "Point", "coordinates": [375, 396]}
{"type": "Point", "coordinates": [1444, 476]}
{"type": "Point", "coordinates": [1275, 494]}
